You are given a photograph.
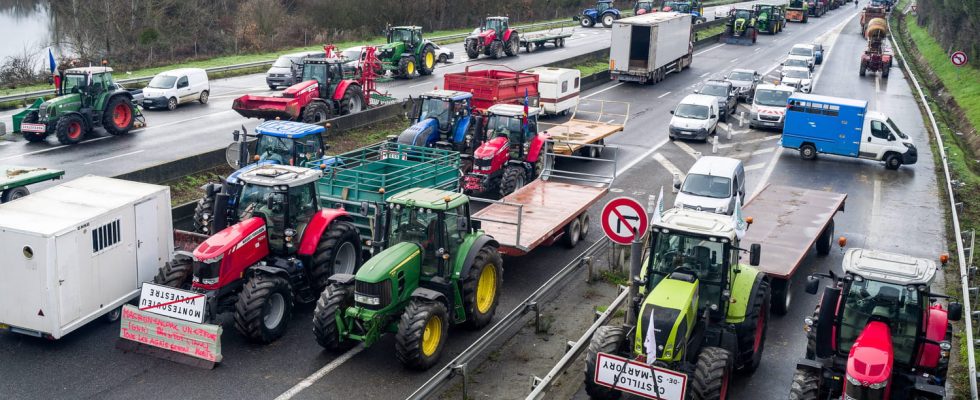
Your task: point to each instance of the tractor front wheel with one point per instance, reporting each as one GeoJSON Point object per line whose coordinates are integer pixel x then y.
{"type": "Point", "coordinates": [427, 61]}
{"type": "Point", "coordinates": [406, 68]}
{"type": "Point", "coordinates": [176, 274]}
{"type": "Point", "coordinates": [117, 119]}
{"type": "Point", "coordinates": [752, 331]}
{"type": "Point", "coordinates": [712, 374]}
{"type": "Point", "coordinates": [586, 22]}
{"type": "Point", "coordinates": [334, 299]}
{"type": "Point", "coordinates": [472, 49]}
{"type": "Point", "coordinates": [607, 339]}
{"type": "Point", "coordinates": [805, 386]}
{"type": "Point", "coordinates": [264, 307]}
{"type": "Point", "coordinates": [481, 288]}
{"type": "Point", "coordinates": [339, 252]}
{"type": "Point", "coordinates": [353, 100]}
{"type": "Point", "coordinates": [316, 112]}
{"type": "Point", "coordinates": [513, 178]}
{"type": "Point", "coordinates": [70, 129]}
{"type": "Point", "coordinates": [421, 333]}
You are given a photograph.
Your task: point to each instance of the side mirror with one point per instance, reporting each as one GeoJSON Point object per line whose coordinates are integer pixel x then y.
{"type": "Point", "coordinates": [476, 224]}
{"type": "Point", "coordinates": [697, 91]}
{"type": "Point", "coordinates": [677, 184]}
{"type": "Point", "coordinates": [714, 115]}
{"type": "Point", "coordinates": [755, 254]}
{"type": "Point", "coordinates": [461, 225]}
{"type": "Point", "coordinates": [869, 138]}
{"type": "Point", "coordinates": [955, 311]}
{"type": "Point", "coordinates": [812, 284]}
{"type": "Point", "coordinates": [671, 112]}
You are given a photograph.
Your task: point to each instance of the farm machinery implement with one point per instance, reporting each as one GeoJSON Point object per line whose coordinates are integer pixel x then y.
{"type": "Point", "coordinates": [798, 11]}
{"type": "Point", "coordinates": [14, 180]}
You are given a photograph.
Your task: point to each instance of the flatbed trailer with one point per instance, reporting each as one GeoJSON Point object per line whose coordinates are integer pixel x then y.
{"type": "Point", "coordinates": [533, 41]}
{"type": "Point", "coordinates": [589, 127]}
{"type": "Point", "coordinates": [552, 207]}
{"type": "Point", "coordinates": [788, 222]}
{"type": "Point", "coordinates": [14, 180]}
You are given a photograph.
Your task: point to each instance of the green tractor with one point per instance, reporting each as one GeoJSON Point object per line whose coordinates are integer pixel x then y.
{"type": "Point", "coordinates": [407, 53]}
{"type": "Point", "coordinates": [439, 269]}
{"type": "Point", "coordinates": [770, 18]}
{"type": "Point", "coordinates": [707, 313]}
{"type": "Point", "coordinates": [87, 98]}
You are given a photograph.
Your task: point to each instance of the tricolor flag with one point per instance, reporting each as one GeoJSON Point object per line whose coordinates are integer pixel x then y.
{"type": "Point", "coordinates": [53, 66]}
{"type": "Point", "coordinates": [738, 220]}
{"type": "Point", "coordinates": [659, 210]}
{"type": "Point", "coordinates": [524, 116]}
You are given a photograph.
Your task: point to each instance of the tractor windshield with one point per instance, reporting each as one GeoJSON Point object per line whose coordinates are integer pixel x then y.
{"type": "Point", "coordinates": [437, 109]}
{"type": "Point", "coordinates": [743, 14]}
{"type": "Point", "coordinates": [796, 3]}
{"type": "Point", "coordinates": [400, 35]}
{"type": "Point", "coordinates": [494, 25]}
{"type": "Point", "coordinates": [73, 83]}
{"type": "Point", "coordinates": [253, 199]}
{"type": "Point", "coordinates": [678, 6]}
{"type": "Point", "coordinates": [703, 257]}
{"type": "Point", "coordinates": [644, 5]}
{"type": "Point", "coordinates": [502, 125]}
{"type": "Point", "coordinates": [416, 225]}
{"type": "Point", "coordinates": [896, 305]}
{"type": "Point", "coordinates": [276, 149]}
{"type": "Point", "coordinates": [600, 7]}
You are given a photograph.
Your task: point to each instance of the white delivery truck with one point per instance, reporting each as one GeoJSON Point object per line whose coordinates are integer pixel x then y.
{"type": "Point", "coordinates": [646, 47]}
{"type": "Point", "coordinates": [558, 89]}
{"type": "Point", "coordinates": [78, 251]}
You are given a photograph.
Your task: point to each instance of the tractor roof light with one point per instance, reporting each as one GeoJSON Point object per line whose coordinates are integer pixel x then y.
{"type": "Point", "coordinates": [943, 259]}
{"type": "Point", "coordinates": [842, 241]}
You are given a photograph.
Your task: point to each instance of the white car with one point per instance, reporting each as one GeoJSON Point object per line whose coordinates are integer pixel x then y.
{"type": "Point", "coordinates": [696, 117]}
{"type": "Point", "coordinates": [713, 184]}
{"type": "Point", "coordinates": [443, 54]}
{"type": "Point", "coordinates": [171, 88]}
{"type": "Point", "coordinates": [797, 77]}
{"type": "Point", "coordinates": [355, 54]}
{"type": "Point", "coordinates": [805, 50]}
{"type": "Point", "coordinates": [797, 61]}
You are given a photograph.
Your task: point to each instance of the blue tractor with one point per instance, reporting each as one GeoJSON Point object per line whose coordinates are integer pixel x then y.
{"type": "Point", "coordinates": [274, 142]}
{"type": "Point", "coordinates": [603, 12]}
{"type": "Point", "coordinates": [444, 119]}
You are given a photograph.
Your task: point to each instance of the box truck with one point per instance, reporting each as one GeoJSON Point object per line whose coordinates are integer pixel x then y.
{"type": "Point", "coordinates": [845, 127]}
{"type": "Point", "coordinates": [646, 47]}
{"type": "Point", "coordinates": [78, 251]}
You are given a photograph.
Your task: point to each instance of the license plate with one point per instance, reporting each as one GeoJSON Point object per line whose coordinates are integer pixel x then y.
{"type": "Point", "coordinates": [31, 127]}
{"type": "Point", "coordinates": [769, 123]}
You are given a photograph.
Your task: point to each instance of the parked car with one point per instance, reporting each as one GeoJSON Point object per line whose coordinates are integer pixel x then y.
{"type": "Point", "coordinates": [355, 54]}
{"type": "Point", "coordinates": [137, 93]}
{"type": "Point", "coordinates": [797, 61]}
{"type": "Point", "coordinates": [696, 117]}
{"type": "Point", "coordinates": [282, 72]}
{"type": "Point", "coordinates": [712, 184]}
{"type": "Point", "coordinates": [171, 88]}
{"type": "Point", "coordinates": [805, 50]}
{"type": "Point", "coordinates": [443, 54]}
{"type": "Point", "coordinates": [745, 81]}
{"type": "Point", "coordinates": [724, 91]}
{"type": "Point", "coordinates": [799, 78]}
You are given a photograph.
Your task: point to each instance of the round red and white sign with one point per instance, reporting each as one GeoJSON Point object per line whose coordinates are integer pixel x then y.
{"type": "Point", "coordinates": [958, 58]}
{"type": "Point", "coordinates": [623, 218]}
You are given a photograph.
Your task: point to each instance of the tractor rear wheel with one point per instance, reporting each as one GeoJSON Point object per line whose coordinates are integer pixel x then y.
{"type": "Point", "coordinates": [353, 100]}
{"type": "Point", "coordinates": [13, 194]}
{"type": "Point", "coordinates": [334, 299]}
{"type": "Point", "coordinates": [752, 331]}
{"type": "Point", "coordinates": [117, 118]}
{"type": "Point", "coordinates": [176, 274]}
{"type": "Point", "coordinates": [610, 340]}
{"type": "Point", "coordinates": [339, 252]}
{"type": "Point", "coordinates": [805, 386]}
{"type": "Point", "coordinates": [513, 178]}
{"type": "Point", "coordinates": [70, 129]}
{"type": "Point", "coordinates": [427, 61]}
{"type": "Point", "coordinates": [712, 374]}
{"type": "Point", "coordinates": [513, 45]}
{"type": "Point", "coordinates": [264, 308]}
{"type": "Point", "coordinates": [481, 288]}
{"type": "Point", "coordinates": [406, 68]}
{"type": "Point", "coordinates": [472, 49]}
{"type": "Point", "coordinates": [421, 333]}
{"type": "Point", "coordinates": [607, 20]}
{"type": "Point", "coordinates": [586, 22]}
{"type": "Point", "coordinates": [316, 112]}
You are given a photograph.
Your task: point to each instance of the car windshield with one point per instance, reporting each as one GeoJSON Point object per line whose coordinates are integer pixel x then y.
{"type": "Point", "coordinates": [718, 187]}
{"type": "Point", "coordinates": [691, 111]}
{"type": "Point", "coordinates": [277, 149]}
{"type": "Point", "coordinates": [893, 304]}
{"type": "Point", "coordinates": [894, 128]}
{"type": "Point", "coordinates": [801, 51]}
{"type": "Point", "coordinates": [715, 90]}
{"type": "Point", "coordinates": [771, 97]}
{"type": "Point", "coordinates": [740, 76]}
{"type": "Point", "coordinates": [796, 62]}
{"type": "Point", "coordinates": [688, 254]}
{"type": "Point", "coordinates": [795, 73]}
{"type": "Point", "coordinates": [162, 82]}
{"type": "Point", "coordinates": [284, 62]}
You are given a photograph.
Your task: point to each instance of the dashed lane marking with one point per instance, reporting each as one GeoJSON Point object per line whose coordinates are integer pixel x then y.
{"type": "Point", "coordinates": [708, 49]}
{"type": "Point", "coordinates": [753, 167]}
{"type": "Point", "coordinates": [310, 380]}
{"type": "Point", "coordinates": [687, 149]}
{"type": "Point", "coordinates": [745, 142]}
{"type": "Point", "coordinates": [603, 90]}
{"type": "Point", "coordinates": [114, 157]}
{"type": "Point", "coordinates": [669, 166]}
{"type": "Point", "coordinates": [662, 96]}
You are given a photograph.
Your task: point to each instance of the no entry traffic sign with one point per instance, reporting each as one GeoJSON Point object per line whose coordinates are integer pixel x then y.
{"type": "Point", "coordinates": [958, 58]}
{"type": "Point", "coordinates": [622, 219]}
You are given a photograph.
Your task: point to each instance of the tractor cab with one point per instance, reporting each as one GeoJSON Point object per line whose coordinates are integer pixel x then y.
{"type": "Point", "coordinates": [281, 142]}
{"type": "Point", "coordinates": [741, 14]}
{"type": "Point", "coordinates": [496, 24]}
{"type": "Point", "coordinates": [510, 121]}
{"type": "Point", "coordinates": [603, 5]}
{"type": "Point", "coordinates": [683, 7]}
{"type": "Point", "coordinates": [446, 107]}
{"type": "Point", "coordinates": [411, 36]}
{"type": "Point", "coordinates": [327, 72]}
{"type": "Point", "coordinates": [644, 6]}
{"type": "Point", "coordinates": [285, 198]}
{"type": "Point", "coordinates": [435, 220]}
{"type": "Point", "coordinates": [442, 118]}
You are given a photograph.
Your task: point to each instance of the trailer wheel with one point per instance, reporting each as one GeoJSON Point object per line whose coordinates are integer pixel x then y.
{"type": "Point", "coordinates": [805, 386]}
{"type": "Point", "coordinates": [863, 69]}
{"type": "Point", "coordinates": [573, 232]}
{"type": "Point", "coordinates": [176, 274]}
{"type": "Point", "coordinates": [334, 298]}
{"type": "Point", "coordinates": [610, 340]}
{"type": "Point", "coordinates": [782, 295]}
{"type": "Point", "coordinates": [339, 252]}
{"type": "Point", "coordinates": [808, 152]}
{"type": "Point", "coordinates": [316, 112]}
{"type": "Point", "coordinates": [481, 288]}
{"type": "Point", "coordinates": [264, 308]}
{"type": "Point", "coordinates": [584, 221]}
{"type": "Point", "coordinates": [513, 178]}
{"type": "Point", "coordinates": [112, 316]}
{"type": "Point", "coordinates": [712, 374]}
{"type": "Point", "coordinates": [561, 42]}
{"type": "Point", "coordinates": [14, 194]}
{"type": "Point", "coordinates": [824, 242]}
{"type": "Point", "coordinates": [421, 334]}
{"type": "Point", "coordinates": [752, 331]}
{"type": "Point", "coordinates": [893, 161]}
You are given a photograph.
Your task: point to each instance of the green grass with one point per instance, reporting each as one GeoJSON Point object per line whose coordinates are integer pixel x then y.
{"type": "Point", "coordinates": [592, 67]}
{"type": "Point", "coordinates": [716, 30]}
{"type": "Point", "coordinates": [618, 278]}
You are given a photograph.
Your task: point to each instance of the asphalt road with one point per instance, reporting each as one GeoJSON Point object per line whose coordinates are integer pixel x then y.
{"type": "Point", "coordinates": [882, 205]}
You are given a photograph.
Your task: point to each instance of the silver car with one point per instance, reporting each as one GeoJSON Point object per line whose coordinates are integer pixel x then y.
{"type": "Point", "coordinates": [744, 81]}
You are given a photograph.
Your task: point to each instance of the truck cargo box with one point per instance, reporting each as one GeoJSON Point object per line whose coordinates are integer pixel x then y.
{"type": "Point", "coordinates": [494, 86]}
{"type": "Point", "coordinates": [79, 250]}
{"type": "Point", "coordinates": [647, 46]}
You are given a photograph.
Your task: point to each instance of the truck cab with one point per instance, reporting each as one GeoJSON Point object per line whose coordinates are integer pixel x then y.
{"type": "Point", "coordinates": [442, 118]}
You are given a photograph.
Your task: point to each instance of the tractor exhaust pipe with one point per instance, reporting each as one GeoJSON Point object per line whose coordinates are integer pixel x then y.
{"type": "Point", "coordinates": [219, 220]}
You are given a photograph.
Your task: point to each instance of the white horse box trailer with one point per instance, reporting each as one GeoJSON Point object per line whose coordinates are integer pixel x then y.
{"type": "Point", "coordinates": [74, 252]}
{"type": "Point", "coordinates": [558, 89]}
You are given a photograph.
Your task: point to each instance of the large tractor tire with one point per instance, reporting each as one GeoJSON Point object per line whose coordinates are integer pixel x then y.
{"type": "Point", "coordinates": [352, 101]}
{"type": "Point", "coordinates": [13, 194]}
{"type": "Point", "coordinates": [339, 252]}
{"type": "Point", "coordinates": [610, 340]}
{"type": "Point", "coordinates": [118, 117]}
{"type": "Point", "coordinates": [496, 49]}
{"type": "Point", "coordinates": [481, 288]}
{"type": "Point", "coordinates": [514, 178]}
{"type": "Point", "coordinates": [70, 129]}
{"type": "Point", "coordinates": [316, 112]}
{"type": "Point", "coordinates": [427, 60]}
{"type": "Point", "coordinates": [407, 68]}
{"type": "Point", "coordinates": [586, 22]}
{"type": "Point", "coordinates": [752, 331]}
{"type": "Point", "coordinates": [712, 374]}
{"type": "Point", "coordinates": [334, 299]}
{"type": "Point", "coordinates": [805, 386]}
{"type": "Point", "coordinates": [607, 20]}
{"type": "Point", "coordinates": [422, 334]}
{"type": "Point", "coordinates": [176, 274]}
{"type": "Point", "coordinates": [264, 308]}
{"type": "Point", "coordinates": [513, 45]}
{"type": "Point", "coordinates": [863, 70]}
{"type": "Point", "coordinates": [472, 49]}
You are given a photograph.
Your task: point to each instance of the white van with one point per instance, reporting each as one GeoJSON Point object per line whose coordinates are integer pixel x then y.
{"type": "Point", "coordinates": [558, 89]}
{"type": "Point", "coordinates": [769, 106]}
{"type": "Point", "coordinates": [170, 88]}
{"type": "Point", "coordinates": [712, 185]}
{"type": "Point", "coordinates": [696, 117]}
{"type": "Point", "coordinates": [281, 72]}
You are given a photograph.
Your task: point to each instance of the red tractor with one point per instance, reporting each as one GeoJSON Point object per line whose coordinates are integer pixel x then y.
{"type": "Point", "coordinates": [875, 58]}
{"type": "Point", "coordinates": [878, 332]}
{"type": "Point", "coordinates": [494, 39]}
{"type": "Point", "coordinates": [283, 250]}
{"type": "Point", "coordinates": [330, 87]}
{"type": "Point", "coordinates": [513, 153]}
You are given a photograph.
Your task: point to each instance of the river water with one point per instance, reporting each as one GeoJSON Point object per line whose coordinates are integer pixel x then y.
{"type": "Point", "coordinates": [24, 26]}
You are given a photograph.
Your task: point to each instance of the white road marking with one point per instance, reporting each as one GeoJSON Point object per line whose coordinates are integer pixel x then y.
{"type": "Point", "coordinates": [52, 148]}
{"type": "Point", "coordinates": [687, 149]}
{"type": "Point", "coordinates": [753, 167]}
{"type": "Point", "coordinates": [759, 140]}
{"type": "Point", "coordinates": [734, 59]}
{"type": "Point", "coordinates": [724, 125]}
{"type": "Point", "coordinates": [420, 84]}
{"type": "Point", "coordinates": [642, 157]}
{"type": "Point", "coordinates": [826, 55]}
{"type": "Point", "coordinates": [757, 50]}
{"type": "Point", "coordinates": [708, 49]}
{"type": "Point", "coordinates": [114, 157]}
{"type": "Point", "coordinates": [310, 380]}
{"type": "Point", "coordinates": [603, 90]}
{"type": "Point", "coordinates": [151, 127]}
{"type": "Point", "coordinates": [705, 74]}
{"type": "Point", "coordinates": [671, 168]}
{"type": "Point", "coordinates": [763, 151]}
{"type": "Point", "coordinates": [662, 96]}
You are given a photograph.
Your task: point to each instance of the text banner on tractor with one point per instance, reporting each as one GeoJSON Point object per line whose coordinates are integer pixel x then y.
{"type": "Point", "coordinates": [31, 127]}
{"type": "Point", "coordinates": [637, 378]}
{"type": "Point", "coordinates": [622, 218]}
{"type": "Point", "coordinates": [174, 303]}
{"type": "Point", "coordinates": [196, 340]}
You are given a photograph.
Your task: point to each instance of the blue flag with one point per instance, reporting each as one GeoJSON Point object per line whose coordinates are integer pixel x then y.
{"type": "Point", "coordinates": [52, 64]}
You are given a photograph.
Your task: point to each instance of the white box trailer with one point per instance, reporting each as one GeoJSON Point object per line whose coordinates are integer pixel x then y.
{"type": "Point", "coordinates": [77, 251]}
{"type": "Point", "coordinates": [558, 89]}
{"type": "Point", "coordinates": [646, 47]}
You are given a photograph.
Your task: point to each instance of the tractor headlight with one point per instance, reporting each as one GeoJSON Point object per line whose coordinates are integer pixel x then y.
{"type": "Point", "coordinates": [807, 324]}
{"type": "Point", "coordinates": [288, 236]}
{"type": "Point", "coordinates": [369, 300]}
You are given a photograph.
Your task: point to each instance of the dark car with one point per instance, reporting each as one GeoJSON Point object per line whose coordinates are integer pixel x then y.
{"type": "Point", "coordinates": [745, 81]}
{"type": "Point", "coordinates": [726, 94]}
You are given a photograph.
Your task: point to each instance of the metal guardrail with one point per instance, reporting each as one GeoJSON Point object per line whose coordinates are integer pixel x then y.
{"type": "Point", "coordinates": [458, 366]}
{"type": "Point", "coordinates": [960, 248]}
